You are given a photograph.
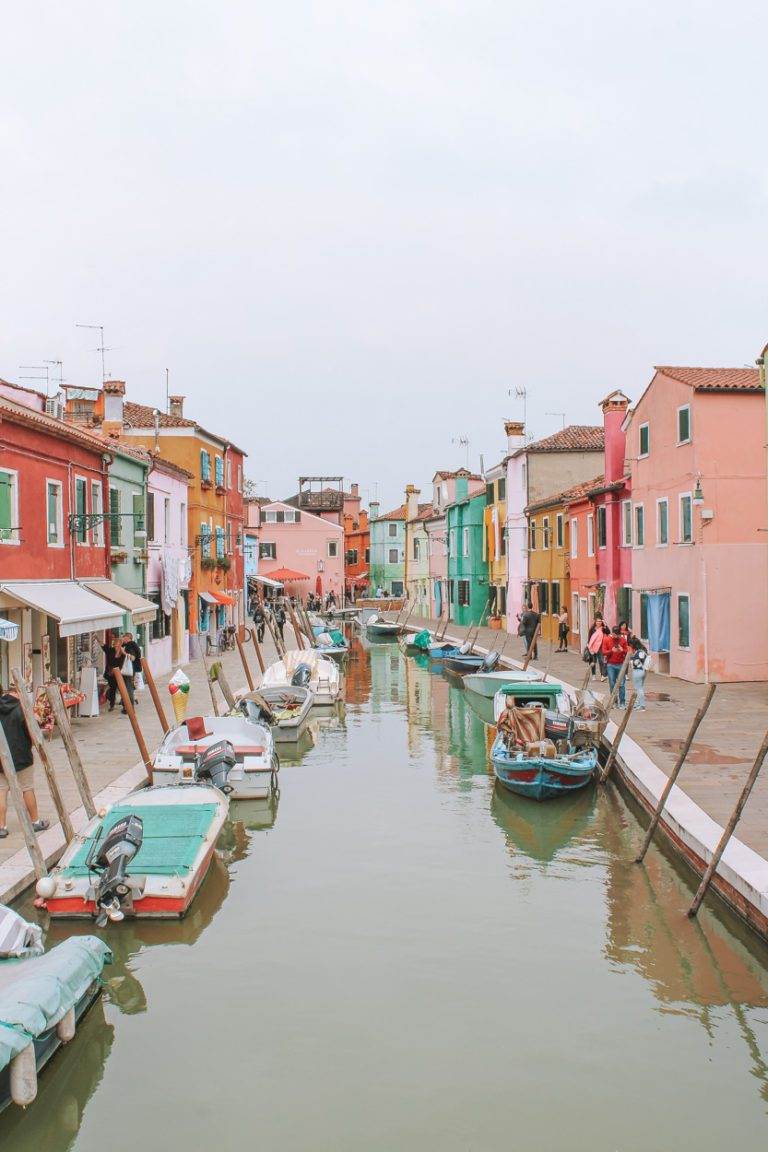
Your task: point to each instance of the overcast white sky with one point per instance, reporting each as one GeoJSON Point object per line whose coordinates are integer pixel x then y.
{"type": "Point", "coordinates": [350, 228]}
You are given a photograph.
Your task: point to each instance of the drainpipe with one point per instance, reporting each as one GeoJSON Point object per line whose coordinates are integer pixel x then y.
{"type": "Point", "coordinates": [106, 461]}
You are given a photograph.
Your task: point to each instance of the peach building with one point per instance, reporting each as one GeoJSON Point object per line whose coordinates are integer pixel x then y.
{"type": "Point", "coordinates": [305, 552]}
{"type": "Point", "coordinates": [696, 522]}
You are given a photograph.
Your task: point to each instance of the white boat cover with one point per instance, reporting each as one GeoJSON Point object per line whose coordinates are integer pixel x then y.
{"type": "Point", "coordinates": [320, 668]}
{"type": "Point", "coordinates": [77, 609]}
{"type": "Point", "coordinates": [142, 611]}
{"type": "Point", "coordinates": [36, 994]}
{"type": "Point", "coordinates": [17, 936]}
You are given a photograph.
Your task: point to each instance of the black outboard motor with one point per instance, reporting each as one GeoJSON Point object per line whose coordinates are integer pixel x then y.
{"type": "Point", "coordinates": [301, 676]}
{"type": "Point", "coordinates": [215, 764]}
{"type": "Point", "coordinates": [491, 661]}
{"type": "Point", "coordinates": [112, 858]}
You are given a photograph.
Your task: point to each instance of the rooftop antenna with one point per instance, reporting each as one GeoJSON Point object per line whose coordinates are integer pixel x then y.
{"type": "Point", "coordinates": [463, 441]}
{"type": "Point", "coordinates": [560, 414]}
{"type": "Point", "coordinates": [43, 368]}
{"type": "Point", "coordinates": [167, 392]}
{"type": "Point", "coordinates": [60, 365]}
{"type": "Point", "coordinates": [520, 392]}
{"type": "Point", "coordinates": [100, 329]}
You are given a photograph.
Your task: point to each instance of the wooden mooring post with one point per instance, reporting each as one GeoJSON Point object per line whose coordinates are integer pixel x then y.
{"type": "Point", "coordinates": [38, 740]}
{"type": "Point", "coordinates": [244, 662]}
{"type": "Point", "coordinates": [532, 646]}
{"type": "Point", "coordinates": [53, 692]}
{"type": "Point", "coordinates": [129, 708]}
{"type": "Point", "coordinates": [155, 696]}
{"type": "Point", "coordinates": [255, 641]}
{"type": "Point", "coordinates": [703, 709]}
{"type": "Point", "coordinates": [617, 739]}
{"type": "Point", "coordinates": [217, 675]}
{"type": "Point", "coordinates": [17, 799]}
{"type": "Point", "coordinates": [209, 682]}
{"type": "Point", "coordinates": [730, 827]}
{"type": "Point", "coordinates": [296, 630]}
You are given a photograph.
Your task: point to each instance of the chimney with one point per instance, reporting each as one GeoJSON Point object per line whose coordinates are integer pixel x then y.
{"type": "Point", "coordinates": [373, 510]}
{"type": "Point", "coordinates": [614, 410]}
{"type": "Point", "coordinates": [354, 491]}
{"type": "Point", "coordinates": [412, 494]}
{"type": "Point", "coordinates": [176, 404]}
{"type": "Point", "coordinates": [761, 365]}
{"type": "Point", "coordinates": [515, 431]}
{"type": "Point", "coordinates": [112, 424]}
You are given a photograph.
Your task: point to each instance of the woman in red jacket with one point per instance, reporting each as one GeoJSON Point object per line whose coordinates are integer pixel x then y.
{"type": "Point", "coordinates": [614, 650]}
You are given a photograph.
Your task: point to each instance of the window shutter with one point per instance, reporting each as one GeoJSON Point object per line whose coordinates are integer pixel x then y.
{"type": "Point", "coordinates": [281, 517]}
{"type": "Point", "coordinates": [5, 506]}
{"type": "Point", "coordinates": [219, 471]}
{"type": "Point", "coordinates": [151, 516]}
{"type": "Point", "coordinates": [298, 516]}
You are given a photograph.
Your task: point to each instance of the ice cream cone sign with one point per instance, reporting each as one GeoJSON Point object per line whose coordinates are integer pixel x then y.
{"type": "Point", "coordinates": [178, 686]}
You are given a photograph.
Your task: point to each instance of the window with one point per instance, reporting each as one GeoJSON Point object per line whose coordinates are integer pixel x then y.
{"type": "Point", "coordinates": [205, 540]}
{"type": "Point", "coordinates": [97, 508]}
{"type": "Point", "coordinates": [182, 524]}
{"type": "Point", "coordinates": [268, 551]}
{"type": "Point", "coordinates": [367, 555]}
{"type": "Point", "coordinates": [532, 536]}
{"type": "Point", "coordinates": [452, 541]}
{"type": "Point", "coordinates": [239, 477]}
{"type": "Point", "coordinates": [392, 528]}
{"type": "Point", "coordinates": [503, 540]}
{"type": "Point", "coordinates": [463, 593]}
{"type": "Point", "coordinates": [150, 516]}
{"type": "Point", "coordinates": [229, 472]}
{"type": "Point", "coordinates": [166, 520]}
{"type": "Point", "coordinates": [590, 535]}
{"type": "Point", "coordinates": [416, 548]}
{"type": "Point", "coordinates": [543, 597]}
{"type": "Point", "coordinates": [502, 487]}
{"type": "Point", "coordinates": [81, 530]}
{"type": "Point", "coordinates": [602, 526]}
{"type": "Point", "coordinates": [645, 440]}
{"type": "Point", "coordinates": [574, 538]}
{"type": "Point", "coordinates": [686, 519]}
{"type": "Point", "coordinates": [352, 556]}
{"type": "Point", "coordinates": [451, 588]}
{"type": "Point", "coordinates": [555, 597]}
{"type": "Point", "coordinates": [574, 611]}
{"type": "Point", "coordinates": [639, 526]}
{"type": "Point", "coordinates": [545, 532]}
{"type": "Point", "coordinates": [137, 507]}
{"type": "Point", "coordinates": [684, 424]}
{"type": "Point", "coordinates": [54, 513]}
{"type": "Point", "coordinates": [270, 517]}
{"type": "Point", "coordinates": [559, 531]}
{"type": "Point", "coordinates": [662, 521]}
{"type": "Point", "coordinates": [465, 541]}
{"type": "Point", "coordinates": [489, 493]}
{"type": "Point", "coordinates": [626, 523]}
{"type": "Point", "coordinates": [290, 517]}
{"type": "Point", "coordinates": [683, 621]}
{"type": "Point", "coordinates": [161, 625]}
{"type": "Point", "coordinates": [219, 472]}
{"type": "Point", "coordinates": [643, 615]}
{"type": "Point", "coordinates": [115, 522]}
{"type": "Point", "coordinates": [219, 542]}
{"type": "Point", "coordinates": [393, 556]}
{"type": "Point", "coordinates": [333, 549]}
{"type": "Point", "coordinates": [205, 466]}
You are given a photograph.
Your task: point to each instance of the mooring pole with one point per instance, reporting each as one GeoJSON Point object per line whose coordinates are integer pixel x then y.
{"type": "Point", "coordinates": [730, 827]}
{"type": "Point", "coordinates": [70, 745]}
{"type": "Point", "coordinates": [619, 681]}
{"type": "Point", "coordinates": [217, 674]}
{"type": "Point", "coordinates": [9, 769]}
{"type": "Point", "coordinates": [128, 705]}
{"type": "Point", "coordinates": [209, 682]}
{"type": "Point", "coordinates": [617, 739]}
{"type": "Point", "coordinates": [257, 647]}
{"type": "Point", "coordinates": [155, 696]}
{"type": "Point", "coordinates": [36, 736]}
{"type": "Point", "coordinates": [532, 646]}
{"type": "Point", "coordinates": [296, 631]}
{"type": "Point", "coordinates": [703, 708]}
{"type": "Point", "coordinates": [244, 662]}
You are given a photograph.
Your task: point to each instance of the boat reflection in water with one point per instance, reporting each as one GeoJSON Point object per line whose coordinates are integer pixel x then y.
{"type": "Point", "coordinates": [541, 831]}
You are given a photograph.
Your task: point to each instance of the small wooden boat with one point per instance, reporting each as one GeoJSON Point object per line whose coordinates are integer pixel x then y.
{"type": "Point", "coordinates": [42, 1000]}
{"type": "Point", "coordinates": [321, 675]}
{"type": "Point", "coordinates": [377, 626]}
{"type": "Point", "coordinates": [115, 869]}
{"type": "Point", "coordinates": [542, 777]}
{"type": "Point", "coordinates": [487, 684]}
{"type": "Point", "coordinates": [289, 710]}
{"type": "Point", "coordinates": [251, 776]}
{"type": "Point", "coordinates": [469, 662]}
{"type": "Point", "coordinates": [440, 652]}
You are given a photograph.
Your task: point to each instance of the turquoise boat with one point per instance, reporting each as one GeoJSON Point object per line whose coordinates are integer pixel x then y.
{"type": "Point", "coordinates": [542, 778]}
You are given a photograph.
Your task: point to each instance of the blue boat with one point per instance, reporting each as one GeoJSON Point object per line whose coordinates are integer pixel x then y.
{"type": "Point", "coordinates": [469, 662]}
{"type": "Point", "coordinates": [539, 777]}
{"type": "Point", "coordinates": [440, 652]}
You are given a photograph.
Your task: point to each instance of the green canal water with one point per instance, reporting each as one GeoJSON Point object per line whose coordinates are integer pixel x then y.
{"type": "Point", "coordinates": [399, 956]}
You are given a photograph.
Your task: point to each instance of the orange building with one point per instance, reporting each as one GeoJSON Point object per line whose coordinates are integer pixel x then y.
{"type": "Point", "coordinates": [357, 547]}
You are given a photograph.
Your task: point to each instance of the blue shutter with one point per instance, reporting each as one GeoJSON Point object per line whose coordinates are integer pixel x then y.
{"type": "Point", "coordinates": [205, 532]}
{"type": "Point", "coordinates": [219, 472]}
{"type": "Point", "coordinates": [219, 543]}
{"type": "Point", "coordinates": [205, 464]}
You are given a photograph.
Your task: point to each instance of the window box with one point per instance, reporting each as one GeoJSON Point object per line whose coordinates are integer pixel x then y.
{"type": "Point", "coordinates": [206, 485]}
{"type": "Point", "coordinates": [118, 556]}
{"type": "Point", "coordinates": [224, 563]}
{"type": "Point", "coordinates": [207, 563]}
{"type": "Point", "coordinates": [220, 490]}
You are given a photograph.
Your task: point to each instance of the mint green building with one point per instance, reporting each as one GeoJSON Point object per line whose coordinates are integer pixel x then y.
{"type": "Point", "coordinates": [387, 550]}
{"type": "Point", "coordinates": [127, 525]}
{"type": "Point", "coordinates": [467, 565]}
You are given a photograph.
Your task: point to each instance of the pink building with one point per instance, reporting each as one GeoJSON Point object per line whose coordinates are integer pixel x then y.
{"type": "Point", "coordinates": [169, 569]}
{"type": "Point", "coordinates": [305, 552]}
{"type": "Point", "coordinates": [696, 522]}
{"type": "Point", "coordinates": [447, 487]}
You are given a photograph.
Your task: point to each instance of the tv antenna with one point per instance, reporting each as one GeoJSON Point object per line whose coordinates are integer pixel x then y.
{"type": "Point", "coordinates": [463, 442]}
{"type": "Point", "coordinates": [100, 329]}
{"type": "Point", "coordinates": [43, 369]}
{"type": "Point", "coordinates": [167, 392]}
{"type": "Point", "coordinates": [520, 392]}
{"type": "Point", "coordinates": [60, 365]}
{"type": "Point", "coordinates": [560, 414]}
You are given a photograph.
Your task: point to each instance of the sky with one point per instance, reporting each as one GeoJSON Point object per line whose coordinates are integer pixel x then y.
{"type": "Point", "coordinates": [352, 230]}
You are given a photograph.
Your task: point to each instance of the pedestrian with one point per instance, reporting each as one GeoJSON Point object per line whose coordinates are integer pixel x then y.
{"type": "Point", "coordinates": [113, 658]}
{"type": "Point", "coordinates": [20, 745]}
{"type": "Point", "coordinates": [280, 619]}
{"type": "Point", "coordinates": [639, 661]}
{"type": "Point", "coordinates": [259, 620]}
{"type": "Point", "coordinates": [131, 666]}
{"type": "Point", "coordinates": [528, 626]}
{"type": "Point", "coordinates": [595, 646]}
{"type": "Point", "coordinates": [614, 651]}
{"type": "Point", "coordinates": [562, 630]}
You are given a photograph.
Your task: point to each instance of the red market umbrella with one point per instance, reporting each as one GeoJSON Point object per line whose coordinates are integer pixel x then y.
{"type": "Point", "coordinates": [319, 585]}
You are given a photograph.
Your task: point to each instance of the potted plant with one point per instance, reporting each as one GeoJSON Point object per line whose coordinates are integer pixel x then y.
{"type": "Point", "coordinates": [494, 622]}
{"type": "Point", "coordinates": [224, 562]}
{"type": "Point", "coordinates": [118, 556]}
{"type": "Point", "coordinates": [207, 563]}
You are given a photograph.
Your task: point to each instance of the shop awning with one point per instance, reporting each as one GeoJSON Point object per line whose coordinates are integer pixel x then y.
{"type": "Point", "coordinates": [76, 609]}
{"type": "Point", "coordinates": [8, 630]}
{"type": "Point", "coordinates": [360, 578]}
{"type": "Point", "coordinates": [207, 598]}
{"type": "Point", "coordinates": [288, 575]}
{"type": "Point", "coordinates": [265, 580]}
{"type": "Point", "coordinates": [223, 598]}
{"type": "Point", "coordinates": [141, 611]}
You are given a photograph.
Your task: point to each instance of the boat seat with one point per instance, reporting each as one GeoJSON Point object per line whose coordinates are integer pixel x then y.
{"type": "Point", "coordinates": [196, 727]}
{"type": "Point", "coordinates": [189, 751]}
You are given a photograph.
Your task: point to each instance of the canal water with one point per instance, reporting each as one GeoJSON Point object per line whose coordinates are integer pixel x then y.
{"type": "Point", "coordinates": [398, 956]}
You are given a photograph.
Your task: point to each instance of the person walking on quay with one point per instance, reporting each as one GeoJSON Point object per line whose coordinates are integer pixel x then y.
{"type": "Point", "coordinates": [614, 650]}
{"type": "Point", "coordinates": [562, 630]}
{"type": "Point", "coordinates": [640, 661]}
{"type": "Point", "coordinates": [280, 619]}
{"type": "Point", "coordinates": [114, 657]}
{"type": "Point", "coordinates": [529, 622]}
{"type": "Point", "coordinates": [15, 728]}
{"type": "Point", "coordinates": [595, 638]}
{"type": "Point", "coordinates": [131, 666]}
{"type": "Point", "coordinates": [259, 621]}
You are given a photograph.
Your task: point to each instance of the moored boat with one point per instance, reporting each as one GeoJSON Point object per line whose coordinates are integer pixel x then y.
{"type": "Point", "coordinates": [377, 626]}
{"type": "Point", "coordinates": [488, 683]}
{"type": "Point", "coordinates": [465, 662]}
{"type": "Point", "coordinates": [320, 674]}
{"type": "Point", "coordinates": [289, 710]}
{"type": "Point", "coordinates": [249, 744]}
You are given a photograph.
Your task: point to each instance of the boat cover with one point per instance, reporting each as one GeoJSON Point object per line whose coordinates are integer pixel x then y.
{"type": "Point", "coordinates": [172, 837]}
{"type": "Point", "coordinates": [17, 936]}
{"type": "Point", "coordinates": [36, 994]}
{"type": "Point", "coordinates": [422, 640]}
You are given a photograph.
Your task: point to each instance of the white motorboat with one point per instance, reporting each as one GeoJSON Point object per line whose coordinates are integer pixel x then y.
{"type": "Point", "coordinates": [252, 776]}
{"type": "Point", "coordinates": [322, 675]}
{"type": "Point", "coordinates": [378, 626]}
{"type": "Point", "coordinates": [488, 683]}
{"type": "Point", "coordinates": [289, 708]}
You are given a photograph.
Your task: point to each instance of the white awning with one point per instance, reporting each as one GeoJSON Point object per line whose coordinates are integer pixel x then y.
{"type": "Point", "coordinates": [266, 580]}
{"type": "Point", "coordinates": [142, 611]}
{"type": "Point", "coordinates": [77, 609]}
{"type": "Point", "coordinates": [207, 598]}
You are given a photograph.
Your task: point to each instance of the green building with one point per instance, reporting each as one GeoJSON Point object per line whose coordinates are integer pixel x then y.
{"type": "Point", "coordinates": [467, 566]}
{"type": "Point", "coordinates": [127, 525]}
{"type": "Point", "coordinates": [387, 550]}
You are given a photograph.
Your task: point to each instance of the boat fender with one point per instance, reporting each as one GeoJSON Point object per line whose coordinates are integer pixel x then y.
{"type": "Point", "coordinates": [46, 887]}
{"type": "Point", "coordinates": [490, 661]}
{"type": "Point", "coordinates": [23, 1076]}
{"type": "Point", "coordinates": [65, 1029]}
{"type": "Point", "coordinates": [465, 649]}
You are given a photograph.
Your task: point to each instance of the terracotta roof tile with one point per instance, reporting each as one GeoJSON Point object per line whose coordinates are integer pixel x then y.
{"type": "Point", "coordinates": [396, 514]}
{"type": "Point", "coordinates": [20, 413]}
{"type": "Point", "coordinates": [715, 379]}
{"type": "Point", "coordinates": [142, 416]}
{"type": "Point", "coordinates": [579, 491]}
{"type": "Point", "coordinates": [574, 438]}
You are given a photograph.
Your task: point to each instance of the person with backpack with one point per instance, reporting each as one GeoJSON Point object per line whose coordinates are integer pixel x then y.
{"type": "Point", "coordinates": [259, 620]}
{"type": "Point", "coordinates": [280, 619]}
{"type": "Point", "coordinates": [20, 745]}
{"type": "Point", "coordinates": [639, 662]}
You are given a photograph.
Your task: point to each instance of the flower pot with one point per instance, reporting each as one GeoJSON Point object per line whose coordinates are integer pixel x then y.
{"type": "Point", "coordinates": [495, 623]}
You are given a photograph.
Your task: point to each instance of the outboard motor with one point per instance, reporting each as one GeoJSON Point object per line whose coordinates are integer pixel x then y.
{"type": "Point", "coordinates": [215, 764]}
{"type": "Point", "coordinates": [112, 859]}
{"type": "Point", "coordinates": [490, 661]}
{"type": "Point", "coordinates": [301, 676]}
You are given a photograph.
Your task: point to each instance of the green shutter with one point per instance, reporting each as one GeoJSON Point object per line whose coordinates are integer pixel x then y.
{"type": "Point", "coordinates": [114, 518]}
{"type": "Point", "coordinates": [6, 506]}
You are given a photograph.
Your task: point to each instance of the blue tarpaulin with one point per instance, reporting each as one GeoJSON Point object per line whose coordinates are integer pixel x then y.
{"type": "Point", "coordinates": [658, 621]}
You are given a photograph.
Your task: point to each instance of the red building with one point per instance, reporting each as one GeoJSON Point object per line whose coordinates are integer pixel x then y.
{"type": "Point", "coordinates": [357, 549]}
{"type": "Point", "coordinates": [50, 474]}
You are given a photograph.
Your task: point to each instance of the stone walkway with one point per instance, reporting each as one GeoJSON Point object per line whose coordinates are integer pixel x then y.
{"type": "Point", "coordinates": [725, 745]}
{"type": "Point", "coordinates": [107, 744]}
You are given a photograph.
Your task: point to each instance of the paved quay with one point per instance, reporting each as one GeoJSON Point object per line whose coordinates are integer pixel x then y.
{"type": "Point", "coordinates": [725, 745]}
{"type": "Point", "coordinates": [111, 759]}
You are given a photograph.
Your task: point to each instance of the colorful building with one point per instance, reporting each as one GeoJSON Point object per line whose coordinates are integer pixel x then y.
{"type": "Point", "coordinates": [534, 472]}
{"type": "Point", "coordinates": [496, 538]}
{"type": "Point", "coordinates": [417, 581]}
{"type": "Point", "coordinates": [584, 595]}
{"type": "Point", "coordinates": [304, 552]}
{"type": "Point", "coordinates": [548, 588]}
{"type": "Point", "coordinates": [696, 522]}
{"type": "Point", "coordinates": [387, 550]}
{"type": "Point", "coordinates": [467, 568]}
{"type": "Point", "coordinates": [168, 565]}
{"type": "Point", "coordinates": [357, 544]}
{"type": "Point", "coordinates": [446, 488]}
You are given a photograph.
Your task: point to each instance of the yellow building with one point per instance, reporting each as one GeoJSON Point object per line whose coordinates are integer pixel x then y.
{"type": "Point", "coordinates": [548, 562]}
{"type": "Point", "coordinates": [495, 539]}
